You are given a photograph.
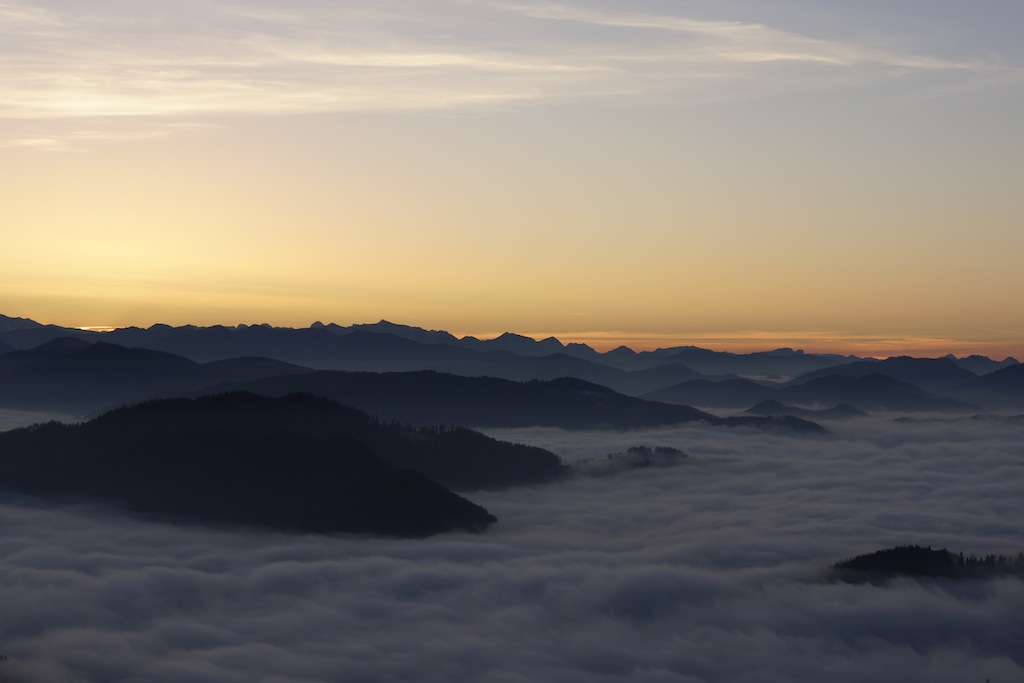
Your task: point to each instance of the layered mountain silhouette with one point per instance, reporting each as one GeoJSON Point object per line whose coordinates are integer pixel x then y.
{"type": "Point", "coordinates": [867, 392]}
{"type": "Point", "coordinates": [873, 392]}
{"type": "Point", "coordinates": [74, 376]}
{"type": "Point", "coordinates": [681, 375]}
{"type": "Point", "coordinates": [981, 365]}
{"type": "Point", "coordinates": [1003, 388]}
{"type": "Point", "coordinates": [431, 397]}
{"type": "Point", "coordinates": [297, 462]}
{"type": "Point", "coordinates": [930, 374]}
{"type": "Point", "coordinates": [386, 346]}
{"type": "Point", "coordinates": [68, 374]}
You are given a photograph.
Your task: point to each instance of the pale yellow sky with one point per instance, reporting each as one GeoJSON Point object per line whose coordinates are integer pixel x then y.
{"type": "Point", "coordinates": [623, 172]}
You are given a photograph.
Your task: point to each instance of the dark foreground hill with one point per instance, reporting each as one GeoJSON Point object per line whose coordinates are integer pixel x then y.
{"type": "Point", "coordinates": [915, 560]}
{"type": "Point", "coordinates": [297, 462]}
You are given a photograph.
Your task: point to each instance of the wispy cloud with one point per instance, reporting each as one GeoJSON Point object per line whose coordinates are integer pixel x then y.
{"type": "Point", "coordinates": [66, 138]}
{"type": "Point", "coordinates": [200, 58]}
{"type": "Point", "coordinates": [737, 41]}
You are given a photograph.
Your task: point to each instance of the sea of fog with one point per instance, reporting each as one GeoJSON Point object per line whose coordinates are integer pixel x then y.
{"type": "Point", "coordinates": [713, 570]}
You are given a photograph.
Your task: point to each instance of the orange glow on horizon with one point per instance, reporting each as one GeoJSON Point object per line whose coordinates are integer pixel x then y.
{"type": "Point", "coordinates": [745, 341]}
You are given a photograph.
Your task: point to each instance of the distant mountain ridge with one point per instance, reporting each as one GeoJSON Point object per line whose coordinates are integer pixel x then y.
{"type": "Point", "coordinates": [684, 375]}
{"type": "Point", "coordinates": [219, 341]}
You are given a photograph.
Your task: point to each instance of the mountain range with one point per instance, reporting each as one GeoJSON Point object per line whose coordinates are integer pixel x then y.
{"type": "Point", "coordinates": [61, 372]}
{"type": "Point", "coordinates": [366, 428]}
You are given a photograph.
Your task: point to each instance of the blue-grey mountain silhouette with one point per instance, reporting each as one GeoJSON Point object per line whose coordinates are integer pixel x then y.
{"type": "Point", "coordinates": [872, 391]}
{"type": "Point", "coordinates": [1000, 389]}
{"type": "Point", "coordinates": [843, 411]}
{"type": "Point", "coordinates": [727, 393]}
{"type": "Point", "coordinates": [68, 374]}
{"type": "Point", "coordinates": [930, 374]}
{"type": "Point", "coordinates": [982, 365]}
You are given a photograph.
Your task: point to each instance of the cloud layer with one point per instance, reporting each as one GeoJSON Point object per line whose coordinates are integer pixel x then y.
{"type": "Point", "coordinates": [713, 570]}
{"type": "Point", "coordinates": [163, 58]}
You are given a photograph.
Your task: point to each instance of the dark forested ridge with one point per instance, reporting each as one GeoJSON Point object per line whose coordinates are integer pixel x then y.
{"type": "Point", "coordinates": [428, 397]}
{"type": "Point", "coordinates": [296, 462]}
{"type": "Point", "coordinates": [915, 560]}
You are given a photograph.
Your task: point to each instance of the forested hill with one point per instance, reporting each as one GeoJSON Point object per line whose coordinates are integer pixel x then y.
{"type": "Point", "coordinates": [295, 462]}
{"type": "Point", "coordinates": [916, 560]}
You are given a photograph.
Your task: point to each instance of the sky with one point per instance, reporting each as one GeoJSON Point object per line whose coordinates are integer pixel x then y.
{"type": "Point", "coordinates": [714, 570]}
{"type": "Point", "coordinates": [734, 174]}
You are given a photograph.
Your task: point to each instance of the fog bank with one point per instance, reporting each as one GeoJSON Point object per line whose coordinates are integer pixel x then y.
{"type": "Point", "coordinates": [709, 571]}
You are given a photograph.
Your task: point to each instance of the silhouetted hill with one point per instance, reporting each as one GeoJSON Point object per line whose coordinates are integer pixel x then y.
{"type": "Point", "coordinates": [5, 348]}
{"type": "Point", "coordinates": [869, 392]}
{"type": "Point", "coordinates": [70, 375]}
{"type": "Point", "coordinates": [507, 365]}
{"type": "Point", "coordinates": [428, 397]}
{"type": "Point", "coordinates": [251, 368]}
{"type": "Point", "coordinates": [620, 356]}
{"type": "Point", "coordinates": [930, 374]}
{"type": "Point", "coordinates": [730, 393]}
{"type": "Point", "coordinates": [405, 331]}
{"type": "Point", "coordinates": [91, 377]}
{"type": "Point", "coordinates": [309, 347]}
{"type": "Point", "coordinates": [1000, 389]}
{"type": "Point", "coordinates": [634, 458]}
{"type": "Point", "coordinates": [455, 457]}
{"type": "Point", "coordinates": [48, 350]}
{"type": "Point", "coordinates": [842, 411]}
{"type": "Point", "coordinates": [292, 462]}
{"type": "Point", "coordinates": [915, 560]}
{"type": "Point", "coordinates": [233, 460]}
{"type": "Point", "coordinates": [776, 423]}
{"type": "Point", "coordinates": [784, 362]}
{"type": "Point", "coordinates": [982, 365]}
{"type": "Point", "coordinates": [640, 382]}
{"type": "Point", "coordinates": [22, 333]}
{"type": "Point", "coordinates": [515, 343]}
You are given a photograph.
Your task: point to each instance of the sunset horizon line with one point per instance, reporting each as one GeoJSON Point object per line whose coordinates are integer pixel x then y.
{"type": "Point", "coordinates": [830, 342]}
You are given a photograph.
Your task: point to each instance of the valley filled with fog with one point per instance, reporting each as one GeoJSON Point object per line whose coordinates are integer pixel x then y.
{"type": "Point", "coordinates": [713, 569]}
